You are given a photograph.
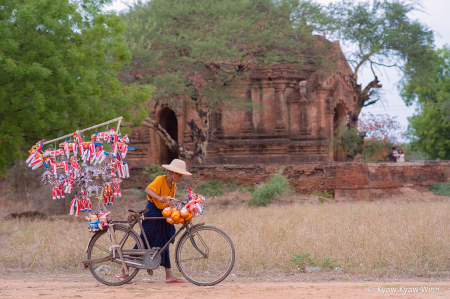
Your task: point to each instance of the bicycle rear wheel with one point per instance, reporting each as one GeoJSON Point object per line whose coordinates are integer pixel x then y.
{"type": "Point", "coordinates": [106, 271]}
{"type": "Point", "coordinates": [211, 261]}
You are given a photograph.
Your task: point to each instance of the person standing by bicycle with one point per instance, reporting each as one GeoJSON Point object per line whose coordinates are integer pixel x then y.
{"type": "Point", "coordinates": [158, 232]}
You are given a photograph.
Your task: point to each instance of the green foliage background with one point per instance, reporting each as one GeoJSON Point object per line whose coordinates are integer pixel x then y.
{"type": "Point", "coordinates": [58, 72]}
{"type": "Point", "coordinates": [430, 90]}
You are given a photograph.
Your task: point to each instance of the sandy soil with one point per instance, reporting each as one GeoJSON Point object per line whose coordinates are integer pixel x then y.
{"type": "Point", "coordinates": [76, 287]}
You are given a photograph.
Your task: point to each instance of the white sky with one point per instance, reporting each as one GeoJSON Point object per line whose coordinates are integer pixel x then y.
{"type": "Point", "coordinates": [436, 16]}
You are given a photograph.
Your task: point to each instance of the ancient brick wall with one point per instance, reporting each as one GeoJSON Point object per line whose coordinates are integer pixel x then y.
{"type": "Point", "coordinates": [345, 180]}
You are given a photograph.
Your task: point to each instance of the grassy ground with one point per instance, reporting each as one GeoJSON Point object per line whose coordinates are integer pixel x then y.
{"type": "Point", "coordinates": [380, 238]}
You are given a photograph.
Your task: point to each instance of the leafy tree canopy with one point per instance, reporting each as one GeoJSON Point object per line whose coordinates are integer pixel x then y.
{"type": "Point", "coordinates": [380, 33]}
{"type": "Point", "coordinates": [430, 90]}
{"type": "Point", "coordinates": [196, 50]}
{"type": "Point", "coordinates": [58, 66]}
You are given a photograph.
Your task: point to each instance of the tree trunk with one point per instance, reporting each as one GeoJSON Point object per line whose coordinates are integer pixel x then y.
{"type": "Point", "coordinates": [199, 136]}
{"type": "Point", "coordinates": [363, 101]}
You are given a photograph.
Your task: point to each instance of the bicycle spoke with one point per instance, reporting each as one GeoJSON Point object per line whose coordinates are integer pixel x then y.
{"type": "Point", "coordinates": [217, 262]}
{"type": "Point", "coordinates": [101, 248]}
{"type": "Point", "coordinates": [193, 259]}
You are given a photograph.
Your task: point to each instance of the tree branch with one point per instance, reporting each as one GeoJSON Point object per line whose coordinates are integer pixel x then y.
{"type": "Point", "coordinates": [172, 144]}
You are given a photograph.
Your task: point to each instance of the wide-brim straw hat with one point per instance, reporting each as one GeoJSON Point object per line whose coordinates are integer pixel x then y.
{"type": "Point", "coordinates": [178, 166]}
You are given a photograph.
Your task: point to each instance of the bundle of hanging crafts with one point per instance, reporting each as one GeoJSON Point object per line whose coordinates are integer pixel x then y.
{"type": "Point", "coordinates": [80, 164]}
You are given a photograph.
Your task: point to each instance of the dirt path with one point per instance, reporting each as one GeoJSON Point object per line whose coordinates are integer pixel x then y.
{"type": "Point", "coordinates": [49, 287]}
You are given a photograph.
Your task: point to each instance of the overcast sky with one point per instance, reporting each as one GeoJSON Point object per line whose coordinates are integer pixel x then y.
{"type": "Point", "coordinates": [436, 15]}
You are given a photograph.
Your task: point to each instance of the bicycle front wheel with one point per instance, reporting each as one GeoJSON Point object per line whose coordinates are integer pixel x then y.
{"type": "Point", "coordinates": [106, 271]}
{"type": "Point", "coordinates": [205, 257]}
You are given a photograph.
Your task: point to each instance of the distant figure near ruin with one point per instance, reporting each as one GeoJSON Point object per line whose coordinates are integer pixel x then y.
{"type": "Point", "coordinates": [299, 113]}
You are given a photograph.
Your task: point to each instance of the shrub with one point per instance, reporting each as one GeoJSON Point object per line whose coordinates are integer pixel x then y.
{"type": "Point", "coordinates": [304, 260]}
{"type": "Point", "coordinates": [440, 189]}
{"type": "Point", "coordinates": [265, 192]}
{"type": "Point", "coordinates": [154, 170]}
{"type": "Point", "coordinates": [211, 188]}
{"type": "Point", "coordinates": [322, 197]}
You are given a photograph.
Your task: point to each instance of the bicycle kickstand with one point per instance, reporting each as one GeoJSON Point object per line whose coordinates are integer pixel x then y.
{"type": "Point", "coordinates": [119, 250]}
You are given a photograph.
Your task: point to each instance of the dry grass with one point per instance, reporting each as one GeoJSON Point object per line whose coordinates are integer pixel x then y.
{"type": "Point", "coordinates": [375, 238]}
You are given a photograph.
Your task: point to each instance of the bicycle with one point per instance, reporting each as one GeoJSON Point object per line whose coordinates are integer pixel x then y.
{"type": "Point", "coordinates": [204, 254]}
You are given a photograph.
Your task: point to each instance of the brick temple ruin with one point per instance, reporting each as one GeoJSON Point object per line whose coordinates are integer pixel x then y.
{"type": "Point", "coordinates": [300, 111]}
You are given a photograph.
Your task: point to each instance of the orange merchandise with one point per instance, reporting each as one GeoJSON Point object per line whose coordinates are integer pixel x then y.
{"type": "Point", "coordinates": [185, 212]}
{"type": "Point", "coordinates": [189, 217]}
{"type": "Point", "coordinates": [167, 212]}
{"type": "Point", "coordinates": [175, 215]}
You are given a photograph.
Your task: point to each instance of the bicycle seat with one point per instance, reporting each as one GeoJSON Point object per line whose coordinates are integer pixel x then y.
{"type": "Point", "coordinates": [138, 211]}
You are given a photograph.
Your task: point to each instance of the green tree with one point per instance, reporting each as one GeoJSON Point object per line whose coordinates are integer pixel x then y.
{"type": "Point", "coordinates": [58, 71]}
{"type": "Point", "coordinates": [196, 52]}
{"type": "Point", "coordinates": [379, 34]}
{"type": "Point", "coordinates": [430, 91]}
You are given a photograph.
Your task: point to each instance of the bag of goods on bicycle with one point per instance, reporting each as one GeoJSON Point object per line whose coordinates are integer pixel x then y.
{"type": "Point", "coordinates": [184, 213]}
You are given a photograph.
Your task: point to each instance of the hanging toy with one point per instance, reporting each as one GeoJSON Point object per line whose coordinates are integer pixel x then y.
{"type": "Point", "coordinates": [90, 189]}
{"type": "Point", "coordinates": [94, 223]}
{"type": "Point", "coordinates": [37, 161]}
{"type": "Point", "coordinates": [75, 167]}
{"type": "Point", "coordinates": [116, 187]}
{"type": "Point", "coordinates": [87, 149]}
{"type": "Point", "coordinates": [85, 203]}
{"type": "Point", "coordinates": [111, 136]}
{"type": "Point", "coordinates": [58, 189]}
{"type": "Point", "coordinates": [47, 178]}
{"type": "Point", "coordinates": [74, 206]}
{"type": "Point", "coordinates": [94, 171]}
{"type": "Point", "coordinates": [100, 156]}
{"type": "Point", "coordinates": [108, 196]}
{"type": "Point", "coordinates": [121, 145]}
{"type": "Point", "coordinates": [123, 170]}
{"type": "Point", "coordinates": [54, 166]}
{"type": "Point", "coordinates": [114, 164]}
{"type": "Point", "coordinates": [53, 154]}
{"type": "Point", "coordinates": [103, 136]}
{"type": "Point", "coordinates": [68, 184]}
{"type": "Point", "coordinates": [69, 147]}
{"type": "Point", "coordinates": [35, 153]}
{"type": "Point", "coordinates": [35, 149]}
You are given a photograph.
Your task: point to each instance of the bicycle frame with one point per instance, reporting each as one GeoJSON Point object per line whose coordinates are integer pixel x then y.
{"type": "Point", "coordinates": [134, 219]}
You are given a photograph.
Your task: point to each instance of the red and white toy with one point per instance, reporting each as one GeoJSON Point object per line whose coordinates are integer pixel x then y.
{"type": "Point", "coordinates": [121, 145]}
{"type": "Point", "coordinates": [116, 187]}
{"type": "Point", "coordinates": [54, 166]}
{"type": "Point", "coordinates": [108, 196]}
{"type": "Point", "coordinates": [69, 147]}
{"type": "Point", "coordinates": [75, 167]}
{"type": "Point", "coordinates": [68, 184]}
{"type": "Point", "coordinates": [75, 206]}
{"type": "Point", "coordinates": [58, 189]}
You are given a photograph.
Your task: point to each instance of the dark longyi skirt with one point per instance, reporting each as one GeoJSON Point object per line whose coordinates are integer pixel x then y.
{"type": "Point", "coordinates": [158, 232]}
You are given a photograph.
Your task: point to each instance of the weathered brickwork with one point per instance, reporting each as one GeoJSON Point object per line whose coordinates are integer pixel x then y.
{"type": "Point", "coordinates": [296, 113]}
{"type": "Point", "coordinates": [347, 181]}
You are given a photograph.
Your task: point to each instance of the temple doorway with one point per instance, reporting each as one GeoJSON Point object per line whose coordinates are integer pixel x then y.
{"type": "Point", "coordinates": [338, 125]}
{"type": "Point", "coordinates": [168, 120]}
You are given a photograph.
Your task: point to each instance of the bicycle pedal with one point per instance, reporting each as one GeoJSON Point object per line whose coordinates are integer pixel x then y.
{"type": "Point", "coordinates": [150, 272]}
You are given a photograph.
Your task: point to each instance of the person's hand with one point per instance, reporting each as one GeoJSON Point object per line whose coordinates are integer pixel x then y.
{"type": "Point", "coordinates": [165, 199]}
